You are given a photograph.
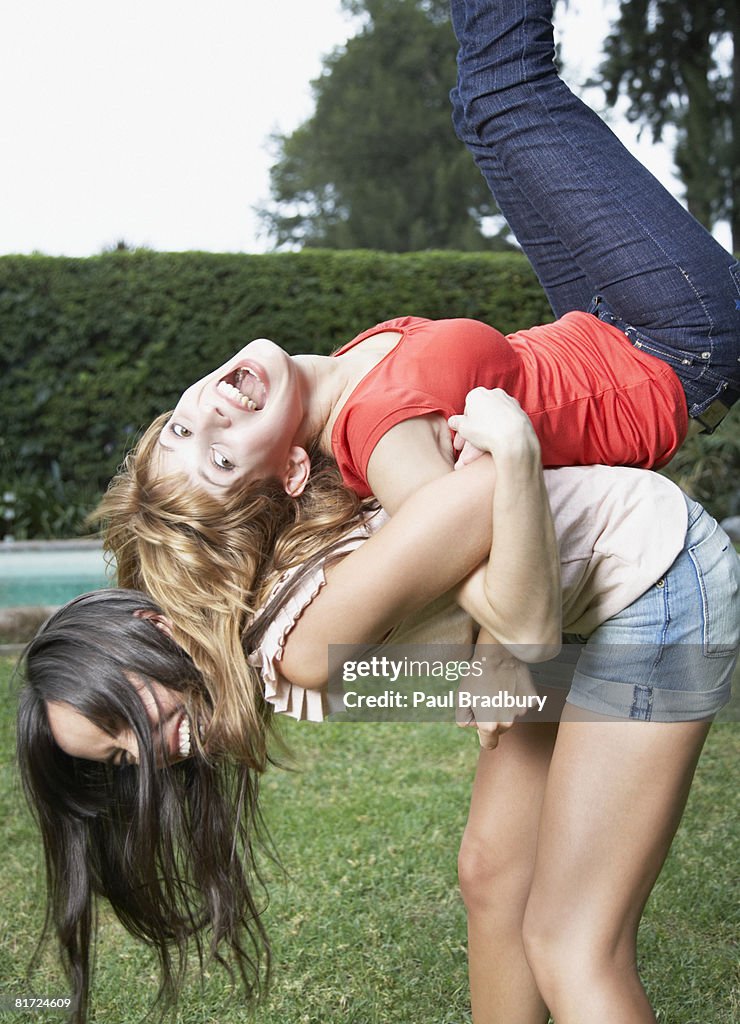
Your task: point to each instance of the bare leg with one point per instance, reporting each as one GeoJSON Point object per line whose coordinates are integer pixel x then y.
{"type": "Point", "coordinates": [615, 795]}
{"type": "Point", "coordinates": [496, 864]}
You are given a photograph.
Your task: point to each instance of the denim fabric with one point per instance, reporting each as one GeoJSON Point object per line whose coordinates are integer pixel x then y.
{"type": "Point", "coordinates": [670, 655]}
{"type": "Point", "coordinates": [592, 220]}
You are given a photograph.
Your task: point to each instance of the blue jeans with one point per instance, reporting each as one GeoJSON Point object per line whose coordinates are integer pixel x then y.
{"type": "Point", "coordinates": [601, 233]}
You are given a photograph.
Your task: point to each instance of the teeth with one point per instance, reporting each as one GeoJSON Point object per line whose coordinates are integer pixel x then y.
{"type": "Point", "coordinates": [183, 735]}
{"type": "Point", "coordinates": [229, 391]}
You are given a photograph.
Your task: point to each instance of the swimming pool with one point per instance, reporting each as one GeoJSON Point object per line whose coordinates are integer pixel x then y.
{"type": "Point", "coordinates": [49, 573]}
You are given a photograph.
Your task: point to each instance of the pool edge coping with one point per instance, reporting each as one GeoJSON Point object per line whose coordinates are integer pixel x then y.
{"type": "Point", "coordinates": [12, 650]}
{"type": "Point", "coordinates": [69, 544]}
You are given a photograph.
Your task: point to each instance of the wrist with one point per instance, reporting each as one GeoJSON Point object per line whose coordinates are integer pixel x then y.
{"type": "Point", "coordinates": [520, 454]}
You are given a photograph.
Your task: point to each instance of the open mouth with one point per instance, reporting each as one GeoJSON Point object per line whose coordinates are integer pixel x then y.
{"type": "Point", "coordinates": [245, 387]}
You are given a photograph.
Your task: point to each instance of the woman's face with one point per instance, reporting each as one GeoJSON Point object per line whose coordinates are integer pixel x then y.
{"type": "Point", "coordinates": [240, 423]}
{"type": "Point", "coordinates": [169, 722]}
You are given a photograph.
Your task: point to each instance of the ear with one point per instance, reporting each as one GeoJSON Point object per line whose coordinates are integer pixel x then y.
{"type": "Point", "coordinates": [159, 621]}
{"type": "Point", "coordinates": [296, 472]}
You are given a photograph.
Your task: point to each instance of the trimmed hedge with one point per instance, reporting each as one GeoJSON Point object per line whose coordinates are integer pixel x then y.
{"type": "Point", "coordinates": [92, 349]}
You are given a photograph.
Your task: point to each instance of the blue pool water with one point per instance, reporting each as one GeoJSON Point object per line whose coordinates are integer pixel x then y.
{"type": "Point", "coordinates": [50, 575]}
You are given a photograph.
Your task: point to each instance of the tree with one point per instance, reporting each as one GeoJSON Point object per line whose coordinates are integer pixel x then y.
{"type": "Point", "coordinates": [378, 165]}
{"type": "Point", "coordinates": [666, 57]}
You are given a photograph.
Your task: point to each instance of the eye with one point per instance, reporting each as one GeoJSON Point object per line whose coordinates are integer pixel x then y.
{"type": "Point", "coordinates": [179, 431]}
{"type": "Point", "coordinates": [221, 461]}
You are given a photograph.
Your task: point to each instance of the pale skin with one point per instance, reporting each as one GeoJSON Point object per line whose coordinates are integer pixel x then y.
{"type": "Point", "coordinates": [555, 884]}
{"type": "Point", "coordinates": [79, 737]}
{"type": "Point", "coordinates": [411, 575]}
{"type": "Point", "coordinates": [405, 465]}
{"type": "Point", "coordinates": [165, 712]}
{"type": "Point", "coordinates": [405, 462]}
{"type": "Point", "coordinates": [523, 558]}
{"type": "Point", "coordinates": [220, 434]}
{"type": "Point", "coordinates": [218, 440]}
{"type": "Point", "coordinates": [402, 569]}
{"type": "Point", "coordinates": [255, 415]}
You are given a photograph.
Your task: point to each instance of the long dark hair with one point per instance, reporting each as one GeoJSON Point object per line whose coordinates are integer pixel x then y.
{"type": "Point", "coordinates": [171, 847]}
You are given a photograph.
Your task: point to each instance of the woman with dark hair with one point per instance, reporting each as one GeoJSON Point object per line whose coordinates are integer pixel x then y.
{"type": "Point", "coordinates": [143, 773]}
{"type": "Point", "coordinates": [647, 575]}
{"type": "Point", "coordinates": [167, 838]}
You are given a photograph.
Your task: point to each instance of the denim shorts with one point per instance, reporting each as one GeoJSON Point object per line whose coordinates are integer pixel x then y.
{"type": "Point", "coordinates": [670, 655]}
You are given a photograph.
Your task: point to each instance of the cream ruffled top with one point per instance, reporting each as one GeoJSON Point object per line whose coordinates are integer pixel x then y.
{"type": "Point", "coordinates": [442, 621]}
{"type": "Point", "coordinates": [286, 698]}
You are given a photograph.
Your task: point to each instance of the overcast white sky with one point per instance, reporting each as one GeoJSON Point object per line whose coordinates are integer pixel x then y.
{"type": "Point", "coordinates": [148, 120]}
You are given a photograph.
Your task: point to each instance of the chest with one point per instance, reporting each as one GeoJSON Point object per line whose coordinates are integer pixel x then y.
{"type": "Point", "coordinates": [357, 362]}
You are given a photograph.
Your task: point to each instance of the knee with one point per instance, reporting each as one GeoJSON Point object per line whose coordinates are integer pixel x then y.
{"type": "Point", "coordinates": [544, 945]}
{"type": "Point", "coordinates": [568, 950]}
{"type": "Point", "coordinates": [493, 879]}
{"type": "Point", "coordinates": [552, 952]}
{"type": "Point", "coordinates": [475, 872]}
{"type": "Point", "coordinates": [459, 121]}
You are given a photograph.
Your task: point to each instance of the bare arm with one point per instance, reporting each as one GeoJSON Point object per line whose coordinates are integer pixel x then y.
{"type": "Point", "coordinates": [407, 564]}
{"type": "Point", "coordinates": [438, 535]}
{"type": "Point", "coordinates": [516, 595]}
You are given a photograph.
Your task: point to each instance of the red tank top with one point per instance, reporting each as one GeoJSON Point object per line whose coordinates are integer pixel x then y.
{"type": "Point", "coordinates": [592, 397]}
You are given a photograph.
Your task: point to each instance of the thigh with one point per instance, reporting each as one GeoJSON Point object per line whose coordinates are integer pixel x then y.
{"type": "Point", "coordinates": [501, 832]}
{"type": "Point", "coordinates": [615, 795]}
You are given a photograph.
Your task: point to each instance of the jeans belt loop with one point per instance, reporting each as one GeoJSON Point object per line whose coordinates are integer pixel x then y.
{"type": "Point", "coordinates": [712, 416]}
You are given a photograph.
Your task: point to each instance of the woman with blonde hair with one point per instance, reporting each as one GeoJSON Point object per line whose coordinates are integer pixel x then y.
{"type": "Point", "coordinates": [244, 479]}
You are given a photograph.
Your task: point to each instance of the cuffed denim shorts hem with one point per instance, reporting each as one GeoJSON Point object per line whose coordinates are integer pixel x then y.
{"type": "Point", "coordinates": [645, 703]}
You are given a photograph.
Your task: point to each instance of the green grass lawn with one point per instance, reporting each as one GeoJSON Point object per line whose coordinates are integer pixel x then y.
{"type": "Point", "coordinates": [367, 926]}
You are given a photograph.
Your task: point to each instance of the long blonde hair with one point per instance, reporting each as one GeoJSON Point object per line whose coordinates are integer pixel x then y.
{"type": "Point", "coordinates": [210, 565]}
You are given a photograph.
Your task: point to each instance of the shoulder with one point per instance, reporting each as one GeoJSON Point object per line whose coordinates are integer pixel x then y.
{"type": "Point", "coordinates": [293, 594]}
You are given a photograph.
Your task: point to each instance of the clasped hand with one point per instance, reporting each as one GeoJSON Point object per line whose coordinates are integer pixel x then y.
{"type": "Point", "coordinates": [480, 700]}
{"type": "Point", "coordinates": [493, 422]}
